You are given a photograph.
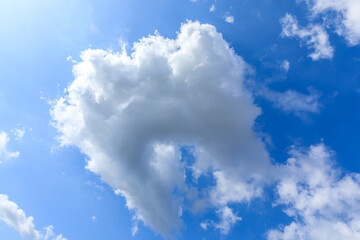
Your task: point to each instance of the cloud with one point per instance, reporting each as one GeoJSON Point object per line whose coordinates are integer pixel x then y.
{"type": "Point", "coordinates": [346, 18]}
{"type": "Point", "coordinates": [324, 202]}
{"type": "Point", "coordinates": [131, 114]}
{"type": "Point", "coordinates": [70, 59]}
{"type": "Point", "coordinates": [229, 19]}
{"type": "Point", "coordinates": [16, 218]}
{"type": "Point", "coordinates": [292, 101]}
{"type": "Point", "coordinates": [19, 133]}
{"type": "Point", "coordinates": [285, 65]}
{"type": "Point", "coordinates": [315, 37]}
{"type": "Point", "coordinates": [212, 8]}
{"type": "Point", "coordinates": [227, 219]}
{"type": "Point", "coordinates": [49, 235]}
{"type": "Point", "coordinates": [4, 153]}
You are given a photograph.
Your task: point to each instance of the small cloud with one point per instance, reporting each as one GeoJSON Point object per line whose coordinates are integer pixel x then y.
{"type": "Point", "coordinates": [285, 65]}
{"type": "Point", "coordinates": [212, 8]}
{"type": "Point", "coordinates": [18, 133]}
{"type": "Point", "coordinates": [135, 227]}
{"type": "Point", "coordinates": [227, 220]}
{"type": "Point", "coordinates": [93, 219]}
{"type": "Point", "coordinates": [50, 234]}
{"type": "Point", "coordinates": [315, 37]}
{"type": "Point", "coordinates": [293, 102]}
{"type": "Point", "coordinates": [204, 225]}
{"type": "Point", "coordinates": [4, 153]}
{"type": "Point", "coordinates": [229, 19]}
{"type": "Point", "coordinates": [70, 59]}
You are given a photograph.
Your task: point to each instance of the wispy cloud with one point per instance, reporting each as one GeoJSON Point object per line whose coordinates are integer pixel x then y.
{"type": "Point", "coordinates": [315, 37]}
{"type": "Point", "coordinates": [292, 101]}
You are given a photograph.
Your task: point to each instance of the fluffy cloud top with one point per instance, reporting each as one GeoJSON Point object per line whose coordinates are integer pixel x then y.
{"type": "Point", "coordinates": [15, 217]}
{"type": "Point", "coordinates": [4, 153]}
{"type": "Point", "coordinates": [324, 202]}
{"type": "Point", "coordinates": [131, 114]}
{"type": "Point", "coordinates": [347, 20]}
{"type": "Point", "coordinates": [315, 37]}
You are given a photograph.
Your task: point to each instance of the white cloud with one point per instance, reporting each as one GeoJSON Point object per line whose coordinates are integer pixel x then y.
{"type": "Point", "coordinates": [324, 202]}
{"type": "Point", "coordinates": [227, 219]}
{"type": "Point", "coordinates": [230, 189]}
{"type": "Point", "coordinates": [93, 219]}
{"type": "Point", "coordinates": [229, 19]}
{"type": "Point", "coordinates": [70, 59]}
{"type": "Point", "coordinates": [293, 102]}
{"type": "Point", "coordinates": [16, 218]}
{"type": "Point", "coordinates": [285, 65]}
{"type": "Point", "coordinates": [346, 19]}
{"type": "Point", "coordinates": [19, 133]}
{"type": "Point", "coordinates": [212, 8]}
{"type": "Point", "coordinates": [49, 235]}
{"type": "Point", "coordinates": [4, 153]}
{"type": "Point", "coordinates": [204, 225]}
{"type": "Point", "coordinates": [315, 37]}
{"type": "Point", "coordinates": [130, 115]}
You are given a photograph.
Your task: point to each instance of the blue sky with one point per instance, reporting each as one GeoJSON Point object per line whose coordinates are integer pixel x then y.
{"type": "Point", "coordinates": [179, 119]}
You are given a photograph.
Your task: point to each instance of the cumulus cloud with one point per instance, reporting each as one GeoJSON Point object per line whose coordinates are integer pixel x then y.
{"type": "Point", "coordinates": [292, 101]}
{"type": "Point", "coordinates": [314, 36]}
{"type": "Point", "coordinates": [16, 218]}
{"type": "Point", "coordinates": [4, 153]}
{"type": "Point", "coordinates": [346, 18]}
{"type": "Point", "coordinates": [130, 114]}
{"type": "Point", "coordinates": [324, 202]}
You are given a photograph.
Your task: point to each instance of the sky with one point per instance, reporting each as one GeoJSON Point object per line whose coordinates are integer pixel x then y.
{"type": "Point", "coordinates": [182, 119]}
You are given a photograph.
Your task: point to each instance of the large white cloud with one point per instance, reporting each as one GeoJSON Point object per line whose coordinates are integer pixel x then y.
{"type": "Point", "coordinates": [15, 217]}
{"type": "Point", "coordinates": [347, 17]}
{"type": "Point", "coordinates": [315, 37]}
{"type": "Point", "coordinates": [131, 114]}
{"type": "Point", "coordinates": [324, 202]}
